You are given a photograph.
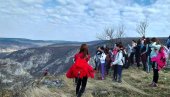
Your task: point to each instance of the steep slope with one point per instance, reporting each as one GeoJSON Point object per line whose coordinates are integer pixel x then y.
{"type": "Point", "coordinates": [35, 60]}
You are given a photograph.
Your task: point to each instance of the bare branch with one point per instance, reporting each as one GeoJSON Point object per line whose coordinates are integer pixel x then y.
{"type": "Point", "coordinates": [120, 32]}
{"type": "Point", "coordinates": [141, 28]}
{"type": "Point", "coordinates": [108, 34]}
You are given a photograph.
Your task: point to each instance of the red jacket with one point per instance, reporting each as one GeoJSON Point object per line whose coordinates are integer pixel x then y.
{"type": "Point", "coordinates": [80, 55]}
{"type": "Point", "coordinates": [80, 68]}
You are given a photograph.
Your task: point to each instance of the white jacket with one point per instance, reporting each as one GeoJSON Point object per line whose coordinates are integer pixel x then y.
{"type": "Point", "coordinates": [118, 59]}
{"type": "Point", "coordinates": [103, 58]}
{"type": "Point", "coordinates": [153, 47]}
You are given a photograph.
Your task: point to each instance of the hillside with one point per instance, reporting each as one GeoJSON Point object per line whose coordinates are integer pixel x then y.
{"type": "Point", "coordinates": [135, 84]}
{"type": "Point", "coordinates": [23, 70]}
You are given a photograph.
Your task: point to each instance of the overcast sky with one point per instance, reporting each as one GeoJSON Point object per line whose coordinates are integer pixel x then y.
{"type": "Point", "coordinates": [80, 20]}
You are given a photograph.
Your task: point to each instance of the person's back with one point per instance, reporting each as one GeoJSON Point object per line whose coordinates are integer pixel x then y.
{"type": "Point", "coordinates": [80, 55]}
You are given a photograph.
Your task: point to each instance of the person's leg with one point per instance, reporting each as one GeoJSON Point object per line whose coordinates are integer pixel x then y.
{"type": "Point", "coordinates": [84, 82]}
{"type": "Point", "coordinates": [150, 64]}
{"type": "Point", "coordinates": [99, 66]}
{"type": "Point", "coordinates": [79, 82]}
{"type": "Point", "coordinates": [156, 75]}
{"type": "Point", "coordinates": [76, 80]}
{"type": "Point", "coordinates": [144, 60]}
{"type": "Point", "coordinates": [119, 68]}
{"type": "Point", "coordinates": [115, 73]}
{"type": "Point", "coordinates": [147, 64]}
{"type": "Point", "coordinates": [137, 60]}
{"type": "Point", "coordinates": [103, 70]}
{"type": "Point", "coordinates": [131, 58]}
{"type": "Point", "coordinates": [95, 68]}
{"type": "Point", "coordinates": [108, 68]}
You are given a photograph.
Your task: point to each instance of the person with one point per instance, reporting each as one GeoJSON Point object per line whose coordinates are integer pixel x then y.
{"type": "Point", "coordinates": [155, 46]}
{"type": "Point", "coordinates": [144, 54]}
{"type": "Point", "coordinates": [103, 62]}
{"type": "Point", "coordinates": [108, 60]}
{"type": "Point", "coordinates": [147, 52]}
{"type": "Point", "coordinates": [132, 54]}
{"type": "Point", "coordinates": [138, 52]}
{"type": "Point", "coordinates": [97, 59]}
{"type": "Point", "coordinates": [46, 72]}
{"type": "Point", "coordinates": [119, 61]}
{"type": "Point", "coordinates": [125, 58]}
{"type": "Point", "coordinates": [168, 42]}
{"type": "Point", "coordinates": [114, 67]}
{"type": "Point", "coordinates": [81, 70]}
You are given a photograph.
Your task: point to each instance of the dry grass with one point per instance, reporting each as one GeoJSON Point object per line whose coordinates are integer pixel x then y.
{"type": "Point", "coordinates": [135, 84]}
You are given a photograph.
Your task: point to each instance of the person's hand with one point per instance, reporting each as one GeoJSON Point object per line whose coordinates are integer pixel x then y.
{"type": "Point", "coordinates": [111, 64]}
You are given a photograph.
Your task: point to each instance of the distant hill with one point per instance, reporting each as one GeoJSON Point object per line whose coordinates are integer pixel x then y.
{"type": "Point", "coordinates": [8, 45]}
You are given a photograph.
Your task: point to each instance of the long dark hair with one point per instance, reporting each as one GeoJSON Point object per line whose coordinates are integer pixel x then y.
{"type": "Point", "coordinates": [147, 41]}
{"type": "Point", "coordinates": [84, 50]}
{"type": "Point", "coordinates": [155, 40]}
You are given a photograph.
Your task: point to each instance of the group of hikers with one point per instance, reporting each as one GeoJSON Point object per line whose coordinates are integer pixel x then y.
{"type": "Point", "coordinates": [148, 52]}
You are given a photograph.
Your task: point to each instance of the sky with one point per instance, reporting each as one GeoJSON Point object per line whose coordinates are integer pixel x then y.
{"type": "Point", "coordinates": [81, 20]}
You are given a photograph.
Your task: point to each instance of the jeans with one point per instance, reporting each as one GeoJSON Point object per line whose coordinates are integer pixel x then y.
{"type": "Point", "coordinates": [119, 72]}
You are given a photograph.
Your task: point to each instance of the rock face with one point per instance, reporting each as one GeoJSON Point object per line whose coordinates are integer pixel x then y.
{"type": "Point", "coordinates": [13, 76]}
{"type": "Point", "coordinates": [36, 60]}
{"type": "Point", "coordinates": [56, 59]}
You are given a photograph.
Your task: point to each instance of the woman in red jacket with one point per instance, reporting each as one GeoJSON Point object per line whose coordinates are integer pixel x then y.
{"type": "Point", "coordinates": [81, 69]}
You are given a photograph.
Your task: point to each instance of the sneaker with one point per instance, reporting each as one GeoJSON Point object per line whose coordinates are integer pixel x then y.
{"type": "Point", "coordinates": [102, 78]}
{"type": "Point", "coordinates": [119, 81]}
{"type": "Point", "coordinates": [155, 85]}
{"type": "Point", "coordinates": [151, 84]}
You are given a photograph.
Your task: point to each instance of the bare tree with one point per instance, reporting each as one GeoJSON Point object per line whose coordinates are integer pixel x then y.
{"type": "Point", "coordinates": [111, 35]}
{"type": "Point", "coordinates": [120, 32]}
{"type": "Point", "coordinates": [141, 27]}
{"type": "Point", "coordinates": [108, 34]}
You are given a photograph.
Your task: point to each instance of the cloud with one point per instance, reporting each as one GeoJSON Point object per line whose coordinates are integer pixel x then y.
{"type": "Point", "coordinates": [84, 18]}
